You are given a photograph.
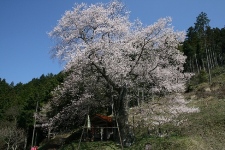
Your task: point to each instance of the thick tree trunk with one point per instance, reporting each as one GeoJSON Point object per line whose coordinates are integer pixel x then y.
{"type": "Point", "coordinates": [122, 112]}
{"type": "Point", "coordinates": [122, 117]}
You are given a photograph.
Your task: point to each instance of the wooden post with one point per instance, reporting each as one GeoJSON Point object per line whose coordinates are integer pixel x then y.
{"type": "Point", "coordinates": [101, 132]}
{"type": "Point", "coordinates": [119, 133]}
{"type": "Point", "coordinates": [35, 117]}
{"type": "Point", "coordinates": [117, 125]}
{"type": "Point", "coordinates": [25, 143]}
{"type": "Point", "coordinates": [49, 132]}
{"type": "Point", "coordinates": [82, 134]}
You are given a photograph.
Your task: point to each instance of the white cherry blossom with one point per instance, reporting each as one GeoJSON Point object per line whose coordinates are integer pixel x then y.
{"type": "Point", "coordinates": [106, 54]}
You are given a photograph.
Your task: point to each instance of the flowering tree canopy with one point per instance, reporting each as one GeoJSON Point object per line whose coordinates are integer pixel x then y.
{"type": "Point", "coordinates": [106, 55]}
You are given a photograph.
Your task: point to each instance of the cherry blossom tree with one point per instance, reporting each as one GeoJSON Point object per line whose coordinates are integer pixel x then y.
{"type": "Point", "coordinates": [160, 111]}
{"type": "Point", "coordinates": [105, 55]}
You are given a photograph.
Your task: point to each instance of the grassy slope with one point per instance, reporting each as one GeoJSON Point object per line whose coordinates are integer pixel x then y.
{"type": "Point", "coordinates": [203, 131]}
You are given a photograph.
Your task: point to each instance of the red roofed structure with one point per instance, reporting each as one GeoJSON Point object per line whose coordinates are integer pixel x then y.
{"type": "Point", "coordinates": [105, 118]}
{"type": "Point", "coordinates": [102, 128]}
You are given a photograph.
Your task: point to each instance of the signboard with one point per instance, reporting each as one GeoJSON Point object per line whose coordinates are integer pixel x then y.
{"type": "Point", "coordinates": [34, 148]}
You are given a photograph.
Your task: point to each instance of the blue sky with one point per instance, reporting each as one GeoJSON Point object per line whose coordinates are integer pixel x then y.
{"type": "Point", "coordinates": [24, 24]}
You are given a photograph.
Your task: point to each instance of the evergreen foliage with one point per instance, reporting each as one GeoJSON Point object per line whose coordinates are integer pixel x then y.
{"type": "Point", "coordinates": [17, 103]}
{"type": "Point", "coordinates": [204, 46]}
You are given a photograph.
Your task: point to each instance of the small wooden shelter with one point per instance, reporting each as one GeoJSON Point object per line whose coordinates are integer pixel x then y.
{"type": "Point", "coordinates": [100, 127]}
{"type": "Point", "coordinates": [103, 127]}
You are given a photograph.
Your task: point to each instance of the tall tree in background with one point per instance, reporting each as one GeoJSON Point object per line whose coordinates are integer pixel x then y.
{"type": "Point", "coordinates": [190, 49]}
{"type": "Point", "coordinates": [201, 25]}
{"type": "Point", "coordinates": [106, 55]}
{"type": "Point", "coordinates": [203, 46]}
{"type": "Point", "coordinates": [202, 22]}
{"type": "Point", "coordinates": [199, 46]}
